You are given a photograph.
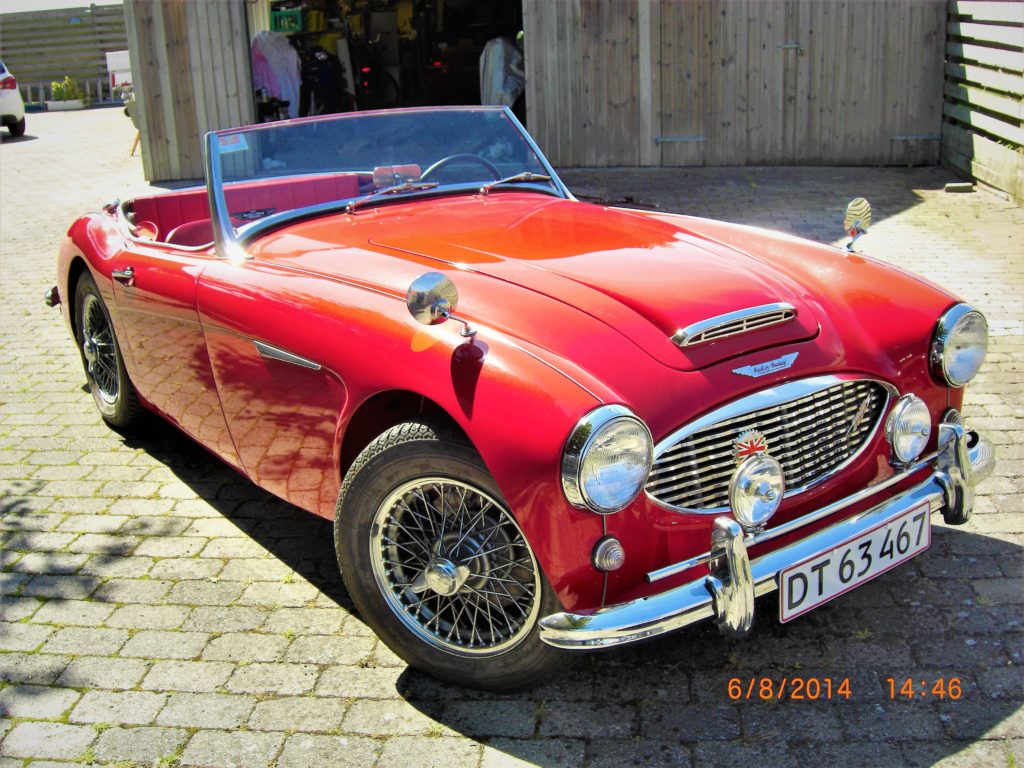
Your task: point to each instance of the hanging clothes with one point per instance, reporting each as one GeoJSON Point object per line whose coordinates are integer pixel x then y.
{"type": "Point", "coordinates": [276, 68]}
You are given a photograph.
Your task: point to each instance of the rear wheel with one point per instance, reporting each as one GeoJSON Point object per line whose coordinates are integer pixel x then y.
{"type": "Point", "coordinates": [438, 566]}
{"type": "Point", "coordinates": [101, 356]}
{"type": "Point", "coordinates": [18, 128]}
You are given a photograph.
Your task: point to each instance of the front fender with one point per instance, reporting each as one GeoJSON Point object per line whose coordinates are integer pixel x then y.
{"type": "Point", "coordinates": [515, 403]}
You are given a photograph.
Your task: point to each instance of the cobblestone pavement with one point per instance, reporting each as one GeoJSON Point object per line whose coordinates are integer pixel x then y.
{"type": "Point", "coordinates": [160, 610]}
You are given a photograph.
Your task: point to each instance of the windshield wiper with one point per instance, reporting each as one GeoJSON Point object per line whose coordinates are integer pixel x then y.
{"type": "Point", "coordinates": [515, 179]}
{"type": "Point", "coordinates": [397, 189]}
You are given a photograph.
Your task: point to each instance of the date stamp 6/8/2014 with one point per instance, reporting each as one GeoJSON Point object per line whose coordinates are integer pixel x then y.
{"type": "Point", "coordinates": [838, 688]}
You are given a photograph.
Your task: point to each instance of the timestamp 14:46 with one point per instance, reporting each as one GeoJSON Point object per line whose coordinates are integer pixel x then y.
{"type": "Point", "coordinates": [910, 688]}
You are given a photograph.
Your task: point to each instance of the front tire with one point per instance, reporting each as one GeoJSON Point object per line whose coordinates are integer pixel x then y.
{"type": "Point", "coordinates": [438, 566]}
{"type": "Point", "coordinates": [101, 357]}
{"type": "Point", "coordinates": [18, 128]}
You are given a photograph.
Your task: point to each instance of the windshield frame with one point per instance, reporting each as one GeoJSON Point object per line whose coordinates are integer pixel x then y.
{"type": "Point", "coordinates": [231, 242]}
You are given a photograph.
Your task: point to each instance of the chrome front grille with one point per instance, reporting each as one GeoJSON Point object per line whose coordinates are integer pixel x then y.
{"type": "Point", "coordinates": [812, 428]}
{"type": "Point", "coordinates": [734, 323]}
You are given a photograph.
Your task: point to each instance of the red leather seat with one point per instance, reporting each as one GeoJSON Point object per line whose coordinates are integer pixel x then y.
{"type": "Point", "coordinates": [172, 211]}
{"type": "Point", "coordinates": [192, 234]}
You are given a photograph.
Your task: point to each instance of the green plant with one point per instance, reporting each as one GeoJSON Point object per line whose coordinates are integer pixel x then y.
{"type": "Point", "coordinates": [66, 90]}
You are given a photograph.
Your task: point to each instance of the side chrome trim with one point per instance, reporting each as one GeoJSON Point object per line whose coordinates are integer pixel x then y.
{"type": "Point", "coordinates": [768, 398]}
{"type": "Point", "coordinates": [745, 320]}
{"type": "Point", "coordinates": [274, 353]}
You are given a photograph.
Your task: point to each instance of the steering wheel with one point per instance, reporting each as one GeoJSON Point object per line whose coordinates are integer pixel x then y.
{"type": "Point", "coordinates": [465, 156]}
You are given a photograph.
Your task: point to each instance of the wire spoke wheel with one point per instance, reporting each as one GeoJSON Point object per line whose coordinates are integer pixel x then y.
{"type": "Point", "coordinates": [454, 567]}
{"type": "Point", "coordinates": [99, 351]}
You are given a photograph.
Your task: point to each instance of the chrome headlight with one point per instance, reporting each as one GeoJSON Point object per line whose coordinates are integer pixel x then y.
{"type": "Point", "coordinates": [959, 345]}
{"type": "Point", "coordinates": [607, 459]}
{"type": "Point", "coordinates": [908, 428]}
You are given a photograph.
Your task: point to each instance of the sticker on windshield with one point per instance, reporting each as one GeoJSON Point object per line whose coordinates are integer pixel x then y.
{"type": "Point", "coordinates": [233, 142]}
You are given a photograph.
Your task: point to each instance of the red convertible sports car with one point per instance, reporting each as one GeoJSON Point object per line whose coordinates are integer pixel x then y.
{"type": "Point", "coordinates": [635, 420]}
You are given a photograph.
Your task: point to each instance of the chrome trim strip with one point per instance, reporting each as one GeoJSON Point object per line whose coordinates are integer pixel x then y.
{"type": "Point", "coordinates": [683, 337]}
{"type": "Point", "coordinates": [768, 398]}
{"type": "Point", "coordinates": [799, 522]}
{"type": "Point", "coordinates": [559, 184]}
{"type": "Point", "coordinates": [274, 353]}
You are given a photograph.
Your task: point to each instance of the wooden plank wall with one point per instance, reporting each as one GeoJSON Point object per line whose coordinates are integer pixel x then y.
{"type": "Point", "coordinates": [982, 132]}
{"type": "Point", "coordinates": [723, 82]}
{"type": "Point", "coordinates": [43, 46]}
{"type": "Point", "coordinates": [190, 66]}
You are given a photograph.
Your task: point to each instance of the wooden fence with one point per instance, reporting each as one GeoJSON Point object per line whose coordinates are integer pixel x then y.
{"type": "Point", "coordinates": [40, 47]}
{"type": "Point", "coordinates": [982, 134]}
{"type": "Point", "coordinates": [732, 82]}
{"type": "Point", "coordinates": [191, 73]}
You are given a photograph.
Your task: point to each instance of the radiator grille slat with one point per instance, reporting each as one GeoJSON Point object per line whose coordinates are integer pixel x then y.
{"type": "Point", "coordinates": [810, 437]}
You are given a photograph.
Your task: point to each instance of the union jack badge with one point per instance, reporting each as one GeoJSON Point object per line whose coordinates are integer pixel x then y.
{"type": "Point", "coordinates": [749, 443]}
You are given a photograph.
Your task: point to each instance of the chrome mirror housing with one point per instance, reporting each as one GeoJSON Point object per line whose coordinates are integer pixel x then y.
{"type": "Point", "coordinates": [432, 298]}
{"type": "Point", "coordinates": [857, 219]}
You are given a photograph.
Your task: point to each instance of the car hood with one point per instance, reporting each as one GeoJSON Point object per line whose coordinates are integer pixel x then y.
{"type": "Point", "coordinates": [538, 267]}
{"type": "Point", "coordinates": [646, 277]}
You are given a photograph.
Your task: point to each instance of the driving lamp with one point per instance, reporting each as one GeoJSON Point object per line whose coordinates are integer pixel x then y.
{"type": "Point", "coordinates": [959, 345]}
{"type": "Point", "coordinates": [607, 459]}
{"type": "Point", "coordinates": [756, 490]}
{"type": "Point", "coordinates": [908, 428]}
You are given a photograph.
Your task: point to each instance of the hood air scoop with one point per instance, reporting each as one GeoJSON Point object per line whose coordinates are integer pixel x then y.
{"type": "Point", "coordinates": [734, 323]}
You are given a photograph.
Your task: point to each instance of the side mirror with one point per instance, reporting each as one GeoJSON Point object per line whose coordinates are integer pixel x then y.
{"type": "Point", "coordinates": [432, 299]}
{"type": "Point", "coordinates": [857, 219]}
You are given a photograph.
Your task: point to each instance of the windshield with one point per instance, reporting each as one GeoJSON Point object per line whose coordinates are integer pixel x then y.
{"type": "Point", "coordinates": [263, 175]}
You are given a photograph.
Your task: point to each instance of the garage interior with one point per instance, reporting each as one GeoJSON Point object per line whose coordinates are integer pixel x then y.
{"type": "Point", "coordinates": [379, 54]}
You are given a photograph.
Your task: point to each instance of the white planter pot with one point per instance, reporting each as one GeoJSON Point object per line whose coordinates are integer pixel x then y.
{"type": "Point", "coordinates": [62, 106]}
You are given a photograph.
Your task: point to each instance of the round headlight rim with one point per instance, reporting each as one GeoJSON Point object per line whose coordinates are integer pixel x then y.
{"type": "Point", "coordinates": [944, 328]}
{"type": "Point", "coordinates": [580, 439]}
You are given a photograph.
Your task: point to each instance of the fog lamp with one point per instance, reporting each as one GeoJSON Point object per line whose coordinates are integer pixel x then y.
{"type": "Point", "coordinates": [908, 428]}
{"type": "Point", "coordinates": [756, 490]}
{"type": "Point", "coordinates": [609, 554]}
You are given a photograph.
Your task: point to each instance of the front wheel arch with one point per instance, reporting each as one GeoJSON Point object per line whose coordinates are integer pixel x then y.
{"type": "Point", "coordinates": [372, 530]}
{"type": "Point", "coordinates": [384, 410]}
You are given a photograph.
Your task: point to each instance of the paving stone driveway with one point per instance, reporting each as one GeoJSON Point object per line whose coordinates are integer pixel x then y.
{"type": "Point", "coordinates": [160, 610]}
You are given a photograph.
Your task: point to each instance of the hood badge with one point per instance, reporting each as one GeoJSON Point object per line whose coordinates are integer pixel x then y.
{"type": "Point", "coordinates": [749, 443]}
{"type": "Point", "coordinates": [858, 417]}
{"type": "Point", "coordinates": [769, 366]}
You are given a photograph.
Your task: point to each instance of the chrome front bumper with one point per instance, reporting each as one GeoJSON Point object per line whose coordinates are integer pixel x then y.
{"type": "Point", "coordinates": [728, 592]}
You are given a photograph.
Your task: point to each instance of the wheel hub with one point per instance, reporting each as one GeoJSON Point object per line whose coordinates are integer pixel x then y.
{"type": "Point", "coordinates": [444, 577]}
{"type": "Point", "coordinates": [91, 350]}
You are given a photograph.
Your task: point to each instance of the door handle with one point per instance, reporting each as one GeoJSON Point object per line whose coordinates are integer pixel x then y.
{"type": "Point", "coordinates": [126, 275]}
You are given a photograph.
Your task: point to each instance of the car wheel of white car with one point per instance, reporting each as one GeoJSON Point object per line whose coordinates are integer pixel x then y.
{"type": "Point", "coordinates": [438, 566]}
{"type": "Point", "coordinates": [101, 356]}
{"type": "Point", "coordinates": [18, 128]}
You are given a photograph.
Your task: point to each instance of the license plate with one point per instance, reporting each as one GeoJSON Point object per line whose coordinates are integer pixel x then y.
{"type": "Point", "coordinates": [822, 577]}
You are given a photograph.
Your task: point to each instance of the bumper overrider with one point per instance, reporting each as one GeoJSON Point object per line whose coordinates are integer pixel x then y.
{"type": "Point", "coordinates": [728, 592]}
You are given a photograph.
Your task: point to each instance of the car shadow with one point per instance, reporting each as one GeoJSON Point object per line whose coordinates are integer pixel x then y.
{"type": "Point", "coordinates": [6, 138]}
{"type": "Point", "coordinates": [696, 696]}
{"type": "Point", "coordinates": [299, 539]}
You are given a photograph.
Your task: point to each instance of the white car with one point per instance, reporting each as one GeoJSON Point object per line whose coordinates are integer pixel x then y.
{"type": "Point", "coordinates": [12, 108]}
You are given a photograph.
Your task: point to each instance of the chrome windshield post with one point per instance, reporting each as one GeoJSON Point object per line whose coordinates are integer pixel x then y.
{"type": "Point", "coordinates": [224, 240]}
{"type": "Point", "coordinates": [731, 584]}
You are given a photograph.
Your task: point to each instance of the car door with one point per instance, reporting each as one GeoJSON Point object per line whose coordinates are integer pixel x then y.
{"type": "Point", "coordinates": [155, 292]}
